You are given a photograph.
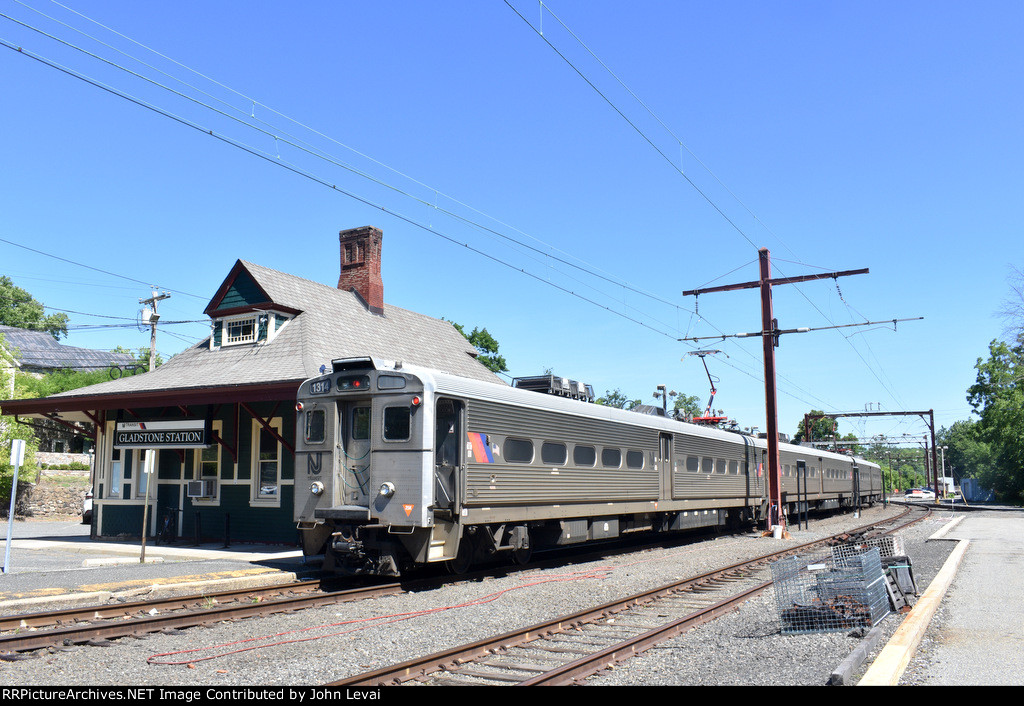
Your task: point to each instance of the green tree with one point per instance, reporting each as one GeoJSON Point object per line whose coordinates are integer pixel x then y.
{"type": "Point", "coordinates": [966, 454]}
{"type": "Point", "coordinates": [688, 405]}
{"type": "Point", "coordinates": [487, 346]}
{"type": "Point", "coordinates": [19, 309]}
{"type": "Point", "coordinates": [141, 356]}
{"type": "Point", "coordinates": [10, 430]}
{"type": "Point", "coordinates": [998, 400]}
{"type": "Point", "coordinates": [617, 399]}
{"type": "Point", "coordinates": [822, 429]}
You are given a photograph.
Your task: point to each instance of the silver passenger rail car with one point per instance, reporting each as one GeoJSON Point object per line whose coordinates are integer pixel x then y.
{"type": "Point", "coordinates": [399, 466]}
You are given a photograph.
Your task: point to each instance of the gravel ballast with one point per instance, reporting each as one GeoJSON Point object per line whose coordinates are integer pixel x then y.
{"type": "Point", "coordinates": [316, 646]}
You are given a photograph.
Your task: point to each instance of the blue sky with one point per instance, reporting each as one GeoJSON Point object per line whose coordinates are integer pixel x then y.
{"type": "Point", "coordinates": [558, 174]}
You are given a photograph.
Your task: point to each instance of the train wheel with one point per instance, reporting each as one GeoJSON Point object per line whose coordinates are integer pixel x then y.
{"type": "Point", "coordinates": [464, 557]}
{"type": "Point", "coordinates": [524, 553]}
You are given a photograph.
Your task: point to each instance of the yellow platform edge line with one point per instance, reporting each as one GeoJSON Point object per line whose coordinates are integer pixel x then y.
{"type": "Point", "coordinates": [887, 669]}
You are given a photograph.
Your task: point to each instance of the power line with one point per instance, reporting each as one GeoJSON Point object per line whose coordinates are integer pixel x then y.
{"type": "Point", "coordinates": [303, 172]}
{"type": "Point", "coordinates": [633, 125]}
{"type": "Point", "coordinates": [64, 259]}
{"type": "Point", "coordinates": [313, 177]}
{"type": "Point", "coordinates": [318, 153]}
{"type": "Point", "coordinates": [650, 142]}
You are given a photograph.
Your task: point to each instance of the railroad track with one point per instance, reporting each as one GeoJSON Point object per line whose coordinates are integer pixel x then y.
{"type": "Point", "coordinates": [21, 634]}
{"type": "Point", "coordinates": [88, 625]}
{"type": "Point", "coordinates": [573, 647]}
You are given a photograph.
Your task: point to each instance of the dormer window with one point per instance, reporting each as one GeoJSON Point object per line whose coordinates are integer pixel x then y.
{"type": "Point", "coordinates": [240, 330]}
{"type": "Point", "coordinates": [254, 327]}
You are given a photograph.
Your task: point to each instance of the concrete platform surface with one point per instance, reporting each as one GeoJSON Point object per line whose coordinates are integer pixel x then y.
{"type": "Point", "coordinates": [56, 562]}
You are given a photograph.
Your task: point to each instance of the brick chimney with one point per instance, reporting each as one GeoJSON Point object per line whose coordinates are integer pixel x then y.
{"type": "Point", "coordinates": [360, 265]}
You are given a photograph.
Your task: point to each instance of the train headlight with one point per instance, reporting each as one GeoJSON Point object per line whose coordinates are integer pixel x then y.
{"type": "Point", "coordinates": [317, 488]}
{"type": "Point", "coordinates": [387, 489]}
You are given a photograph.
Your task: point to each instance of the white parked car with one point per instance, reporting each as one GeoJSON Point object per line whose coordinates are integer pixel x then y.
{"type": "Point", "coordinates": [918, 494]}
{"type": "Point", "coordinates": [87, 509]}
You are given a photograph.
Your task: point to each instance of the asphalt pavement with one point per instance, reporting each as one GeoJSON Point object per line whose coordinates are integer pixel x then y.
{"type": "Point", "coordinates": [56, 562]}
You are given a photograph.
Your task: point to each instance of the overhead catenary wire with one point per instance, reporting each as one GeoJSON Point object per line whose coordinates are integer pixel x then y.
{"type": "Point", "coordinates": [305, 173]}
{"type": "Point", "coordinates": [305, 147]}
{"type": "Point", "coordinates": [276, 159]}
{"type": "Point", "coordinates": [543, 6]}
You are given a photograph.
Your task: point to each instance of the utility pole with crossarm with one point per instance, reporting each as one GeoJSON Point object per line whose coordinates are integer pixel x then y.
{"type": "Point", "coordinates": [770, 338]}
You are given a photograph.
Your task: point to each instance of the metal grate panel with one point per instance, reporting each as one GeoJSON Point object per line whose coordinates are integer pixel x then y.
{"type": "Point", "coordinates": [820, 594]}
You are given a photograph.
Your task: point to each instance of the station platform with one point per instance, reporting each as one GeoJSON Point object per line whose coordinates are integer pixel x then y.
{"type": "Point", "coordinates": [51, 563]}
{"type": "Point", "coordinates": [967, 627]}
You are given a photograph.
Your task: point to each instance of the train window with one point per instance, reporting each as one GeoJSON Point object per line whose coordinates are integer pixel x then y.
{"type": "Point", "coordinates": [316, 425]}
{"type": "Point", "coordinates": [634, 459]}
{"type": "Point", "coordinates": [734, 467]}
{"type": "Point", "coordinates": [390, 382]}
{"type": "Point", "coordinates": [397, 424]}
{"type": "Point", "coordinates": [611, 458]}
{"type": "Point", "coordinates": [554, 453]}
{"type": "Point", "coordinates": [692, 464]}
{"type": "Point", "coordinates": [361, 423]}
{"type": "Point", "coordinates": [707, 465]}
{"type": "Point", "coordinates": [720, 465]}
{"type": "Point", "coordinates": [518, 450]}
{"type": "Point", "coordinates": [584, 455]}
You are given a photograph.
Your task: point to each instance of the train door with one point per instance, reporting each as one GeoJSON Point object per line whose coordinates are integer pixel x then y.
{"type": "Point", "coordinates": [354, 452]}
{"type": "Point", "coordinates": [665, 462]}
{"type": "Point", "coordinates": [855, 471]}
{"type": "Point", "coordinates": [447, 454]}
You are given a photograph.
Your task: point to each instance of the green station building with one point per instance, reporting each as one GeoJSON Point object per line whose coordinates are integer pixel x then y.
{"type": "Point", "coordinates": [217, 421]}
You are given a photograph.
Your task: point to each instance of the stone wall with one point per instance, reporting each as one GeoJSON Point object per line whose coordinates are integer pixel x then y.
{"type": "Point", "coordinates": [52, 458]}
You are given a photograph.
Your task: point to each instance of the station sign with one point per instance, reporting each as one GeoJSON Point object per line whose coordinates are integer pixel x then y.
{"type": "Point", "coordinates": [164, 434]}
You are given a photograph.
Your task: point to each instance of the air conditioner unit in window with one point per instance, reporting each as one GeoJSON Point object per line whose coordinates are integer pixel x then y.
{"type": "Point", "coordinates": [201, 488]}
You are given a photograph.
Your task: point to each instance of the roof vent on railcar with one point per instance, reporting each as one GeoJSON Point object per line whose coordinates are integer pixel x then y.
{"type": "Point", "coordinates": [555, 385]}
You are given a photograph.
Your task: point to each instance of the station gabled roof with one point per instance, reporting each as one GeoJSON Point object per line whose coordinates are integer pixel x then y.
{"type": "Point", "coordinates": [322, 323]}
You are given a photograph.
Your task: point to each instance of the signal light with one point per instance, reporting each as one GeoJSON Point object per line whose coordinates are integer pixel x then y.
{"type": "Point", "coordinates": [416, 401]}
{"type": "Point", "coordinates": [298, 406]}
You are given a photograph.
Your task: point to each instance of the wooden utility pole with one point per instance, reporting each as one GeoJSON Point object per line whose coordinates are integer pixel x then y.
{"type": "Point", "coordinates": [153, 318]}
{"type": "Point", "coordinates": [770, 338]}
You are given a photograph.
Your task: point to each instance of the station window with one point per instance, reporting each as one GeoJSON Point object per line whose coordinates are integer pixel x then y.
{"type": "Point", "coordinates": [553, 453]}
{"type": "Point", "coordinates": [207, 465]}
{"type": "Point", "coordinates": [116, 472]}
{"type": "Point", "coordinates": [241, 330]}
{"type": "Point", "coordinates": [266, 462]}
{"type": "Point", "coordinates": [518, 450]}
{"type": "Point", "coordinates": [611, 458]}
{"type": "Point", "coordinates": [208, 462]}
{"type": "Point", "coordinates": [584, 455]}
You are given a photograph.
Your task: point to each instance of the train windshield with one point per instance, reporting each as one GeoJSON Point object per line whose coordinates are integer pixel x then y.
{"type": "Point", "coordinates": [316, 426]}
